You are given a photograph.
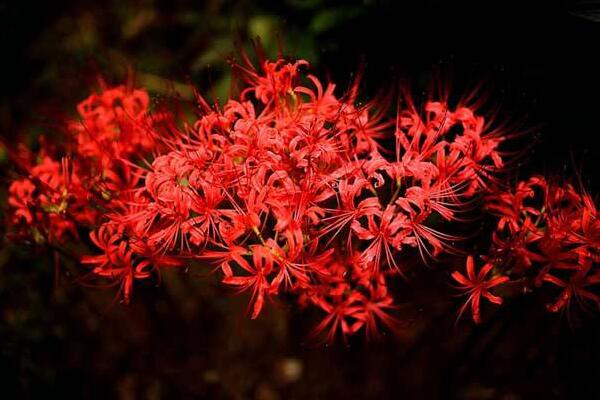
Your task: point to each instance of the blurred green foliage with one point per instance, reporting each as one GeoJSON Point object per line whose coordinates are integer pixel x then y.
{"type": "Point", "coordinates": [173, 41]}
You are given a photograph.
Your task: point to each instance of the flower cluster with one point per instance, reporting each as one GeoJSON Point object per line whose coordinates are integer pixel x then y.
{"type": "Point", "coordinates": [546, 233]}
{"type": "Point", "coordinates": [286, 188]}
{"type": "Point", "coordinates": [70, 187]}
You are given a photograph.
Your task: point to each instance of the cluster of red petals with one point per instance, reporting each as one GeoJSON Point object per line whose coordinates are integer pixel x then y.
{"type": "Point", "coordinates": [73, 186]}
{"type": "Point", "coordinates": [477, 285]}
{"type": "Point", "coordinates": [287, 188]}
{"type": "Point", "coordinates": [546, 232]}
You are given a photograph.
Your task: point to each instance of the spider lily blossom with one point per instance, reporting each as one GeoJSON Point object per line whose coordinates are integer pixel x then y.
{"type": "Point", "coordinates": [546, 234]}
{"type": "Point", "coordinates": [477, 285]}
{"type": "Point", "coordinates": [288, 188]}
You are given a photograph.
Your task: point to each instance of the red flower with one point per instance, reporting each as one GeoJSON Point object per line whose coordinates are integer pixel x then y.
{"type": "Point", "coordinates": [476, 286]}
{"type": "Point", "coordinates": [376, 310]}
{"type": "Point", "coordinates": [276, 80]}
{"type": "Point", "coordinates": [113, 124]}
{"type": "Point", "coordinates": [575, 288]}
{"type": "Point", "coordinates": [287, 188]}
{"type": "Point", "coordinates": [116, 262]}
{"type": "Point", "coordinates": [381, 237]}
{"type": "Point", "coordinates": [257, 282]}
{"type": "Point", "coordinates": [21, 198]}
{"type": "Point", "coordinates": [342, 317]}
{"type": "Point", "coordinates": [123, 262]}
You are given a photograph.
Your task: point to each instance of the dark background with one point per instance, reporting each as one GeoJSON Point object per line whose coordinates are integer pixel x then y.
{"type": "Point", "coordinates": [187, 337]}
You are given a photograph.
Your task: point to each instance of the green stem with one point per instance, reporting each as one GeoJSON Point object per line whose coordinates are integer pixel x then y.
{"type": "Point", "coordinates": [396, 192]}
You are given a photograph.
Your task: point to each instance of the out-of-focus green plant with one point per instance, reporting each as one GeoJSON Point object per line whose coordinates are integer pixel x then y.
{"type": "Point", "coordinates": [174, 41]}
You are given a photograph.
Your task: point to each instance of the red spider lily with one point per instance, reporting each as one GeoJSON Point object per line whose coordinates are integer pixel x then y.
{"type": "Point", "coordinates": [291, 274]}
{"type": "Point", "coordinates": [224, 257]}
{"type": "Point", "coordinates": [589, 228]}
{"type": "Point", "coordinates": [339, 318]}
{"type": "Point", "coordinates": [547, 232]}
{"type": "Point", "coordinates": [287, 189]}
{"type": "Point", "coordinates": [377, 310]}
{"type": "Point", "coordinates": [575, 287]}
{"type": "Point", "coordinates": [261, 267]}
{"type": "Point", "coordinates": [21, 198]}
{"type": "Point", "coordinates": [42, 201]}
{"type": "Point", "coordinates": [476, 286]}
{"type": "Point", "coordinates": [353, 298]}
{"type": "Point", "coordinates": [294, 189]}
{"type": "Point", "coordinates": [123, 262]}
{"type": "Point", "coordinates": [274, 81]}
{"type": "Point", "coordinates": [347, 212]}
{"type": "Point", "coordinates": [113, 125]}
{"type": "Point", "coordinates": [322, 102]}
{"type": "Point", "coordinates": [116, 263]}
{"type": "Point", "coordinates": [381, 237]}
{"type": "Point", "coordinates": [510, 206]}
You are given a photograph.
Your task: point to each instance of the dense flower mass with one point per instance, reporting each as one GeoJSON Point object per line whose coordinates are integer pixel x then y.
{"type": "Point", "coordinates": [547, 234]}
{"type": "Point", "coordinates": [292, 188]}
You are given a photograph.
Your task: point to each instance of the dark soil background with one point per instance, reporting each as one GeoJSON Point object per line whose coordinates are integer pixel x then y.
{"type": "Point", "coordinates": [189, 338]}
